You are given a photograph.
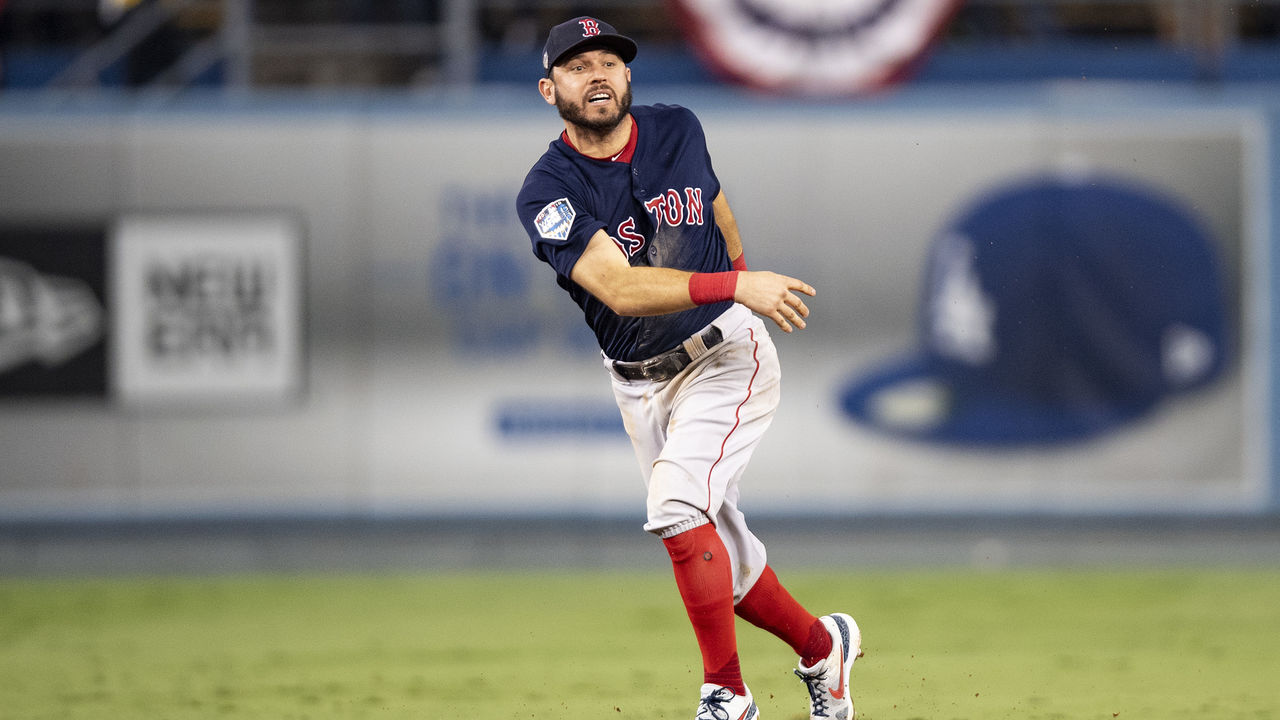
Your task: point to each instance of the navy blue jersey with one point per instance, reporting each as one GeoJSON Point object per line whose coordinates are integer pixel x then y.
{"type": "Point", "coordinates": [657, 208]}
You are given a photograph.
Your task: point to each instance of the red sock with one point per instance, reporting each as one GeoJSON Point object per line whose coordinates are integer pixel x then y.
{"type": "Point", "coordinates": [769, 606]}
{"type": "Point", "coordinates": [705, 581]}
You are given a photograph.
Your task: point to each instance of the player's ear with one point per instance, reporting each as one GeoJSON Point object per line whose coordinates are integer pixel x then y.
{"type": "Point", "coordinates": [548, 90]}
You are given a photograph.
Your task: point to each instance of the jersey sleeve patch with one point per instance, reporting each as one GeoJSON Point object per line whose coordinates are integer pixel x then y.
{"type": "Point", "coordinates": [555, 220]}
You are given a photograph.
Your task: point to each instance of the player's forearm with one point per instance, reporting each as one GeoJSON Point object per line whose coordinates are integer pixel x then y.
{"type": "Point", "coordinates": [641, 291]}
{"type": "Point", "coordinates": [656, 291]}
{"type": "Point", "coordinates": [645, 291]}
{"type": "Point", "coordinates": [629, 291]}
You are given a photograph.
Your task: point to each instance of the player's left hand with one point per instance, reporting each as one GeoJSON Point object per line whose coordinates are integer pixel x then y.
{"type": "Point", "coordinates": [774, 296]}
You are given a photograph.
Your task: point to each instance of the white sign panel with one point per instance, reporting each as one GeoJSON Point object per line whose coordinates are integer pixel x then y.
{"type": "Point", "coordinates": [207, 309]}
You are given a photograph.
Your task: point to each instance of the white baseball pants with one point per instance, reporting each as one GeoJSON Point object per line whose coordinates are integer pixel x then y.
{"type": "Point", "coordinates": [694, 435]}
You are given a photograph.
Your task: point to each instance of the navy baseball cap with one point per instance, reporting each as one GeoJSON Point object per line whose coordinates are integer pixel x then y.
{"type": "Point", "coordinates": [580, 32]}
{"type": "Point", "coordinates": [1053, 310]}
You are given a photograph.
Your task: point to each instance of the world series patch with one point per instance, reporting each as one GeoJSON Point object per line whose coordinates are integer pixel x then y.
{"type": "Point", "coordinates": [554, 221]}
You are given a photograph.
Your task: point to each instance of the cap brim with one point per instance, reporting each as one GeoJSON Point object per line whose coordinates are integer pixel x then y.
{"type": "Point", "coordinates": [910, 398]}
{"type": "Point", "coordinates": [625, 47]}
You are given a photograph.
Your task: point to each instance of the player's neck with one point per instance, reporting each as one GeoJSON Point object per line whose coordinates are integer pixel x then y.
{"type": "Point", "coordinates": [599, 143]}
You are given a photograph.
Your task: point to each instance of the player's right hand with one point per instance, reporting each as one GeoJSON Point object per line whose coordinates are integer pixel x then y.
{"type": "Point", "coordinates": [774, 296]}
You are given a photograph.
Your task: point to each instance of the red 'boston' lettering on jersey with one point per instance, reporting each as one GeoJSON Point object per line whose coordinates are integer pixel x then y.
{"type": "Point", "coordinates": [654, 206]}
{"type": "Point", "coordinates": [628, 240]}
{"type": "Point", "coordinates": [672, 209]}
{"type": "Point", "coordinates": [693, 201]}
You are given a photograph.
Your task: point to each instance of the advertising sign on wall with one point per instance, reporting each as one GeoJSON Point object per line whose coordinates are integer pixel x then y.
{"type": "Point", "coordinates": [208, 309]}
{"type": "Point", "coordinates": [967, 352]}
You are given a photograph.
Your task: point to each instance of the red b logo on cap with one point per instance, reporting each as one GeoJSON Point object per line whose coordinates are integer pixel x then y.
{"type": "Point", "coordinates": [589, 27]}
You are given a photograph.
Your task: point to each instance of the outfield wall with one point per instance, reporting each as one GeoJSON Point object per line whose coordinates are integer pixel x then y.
{"type": "Point", "coordinates": [398, 350]}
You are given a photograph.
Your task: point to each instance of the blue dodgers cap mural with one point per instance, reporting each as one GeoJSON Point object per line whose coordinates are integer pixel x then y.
{"type": "Point", "coordinates": [1053, 309]}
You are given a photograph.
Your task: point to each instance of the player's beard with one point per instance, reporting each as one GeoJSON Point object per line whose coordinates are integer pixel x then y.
{"type": "Point", "coordinates": [576, 113]}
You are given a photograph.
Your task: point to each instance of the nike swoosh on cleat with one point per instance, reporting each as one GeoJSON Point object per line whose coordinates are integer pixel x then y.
{"type": "Point", "coordinates": [838, 691]}
{"type": "Point", "coordinates": [749, 713]}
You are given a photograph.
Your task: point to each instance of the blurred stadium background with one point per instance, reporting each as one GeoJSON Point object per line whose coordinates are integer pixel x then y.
{"type": "Point", "coordinates": [264, 303]}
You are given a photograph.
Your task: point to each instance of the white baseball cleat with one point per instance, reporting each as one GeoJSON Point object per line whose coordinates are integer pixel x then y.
{"type": "Point", "coordinates": [721, 703]}
{"type": "Point", "coordinates": [828, 680]}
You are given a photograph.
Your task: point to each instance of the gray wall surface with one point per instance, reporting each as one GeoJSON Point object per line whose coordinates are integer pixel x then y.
{"type": "Point", "coordinates": [426, 316]}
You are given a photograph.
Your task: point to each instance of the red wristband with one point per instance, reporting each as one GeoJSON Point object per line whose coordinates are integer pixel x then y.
{"type": "Point", "coordinates": [740, 263]}
{"type": "Point", "coordinates": [707, 288]}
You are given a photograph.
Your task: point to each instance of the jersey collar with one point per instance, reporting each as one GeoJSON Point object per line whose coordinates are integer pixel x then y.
{"type": "Point", "coordinates": [623, 156]}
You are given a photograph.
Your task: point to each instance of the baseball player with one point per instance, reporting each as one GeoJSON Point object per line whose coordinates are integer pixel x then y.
{"type": "Point", "coordinates": [626, 208]}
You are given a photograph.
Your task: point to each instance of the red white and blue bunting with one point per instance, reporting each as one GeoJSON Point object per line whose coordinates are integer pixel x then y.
{"type": "Point", "coordinates": [814, 47]}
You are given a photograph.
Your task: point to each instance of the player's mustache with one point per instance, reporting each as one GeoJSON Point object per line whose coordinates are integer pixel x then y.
{"type": "Point", "coordinates": [602, 86]}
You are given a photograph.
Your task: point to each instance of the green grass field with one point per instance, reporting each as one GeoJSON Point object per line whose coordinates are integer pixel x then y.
{"type": "Point", "coordinates": [1124, 644]}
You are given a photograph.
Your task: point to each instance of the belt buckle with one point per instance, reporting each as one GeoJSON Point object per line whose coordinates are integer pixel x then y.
{"type": "Point", "coordinates": [658, 368]}
{"type": "Point", "coordinates": [667, 366]}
